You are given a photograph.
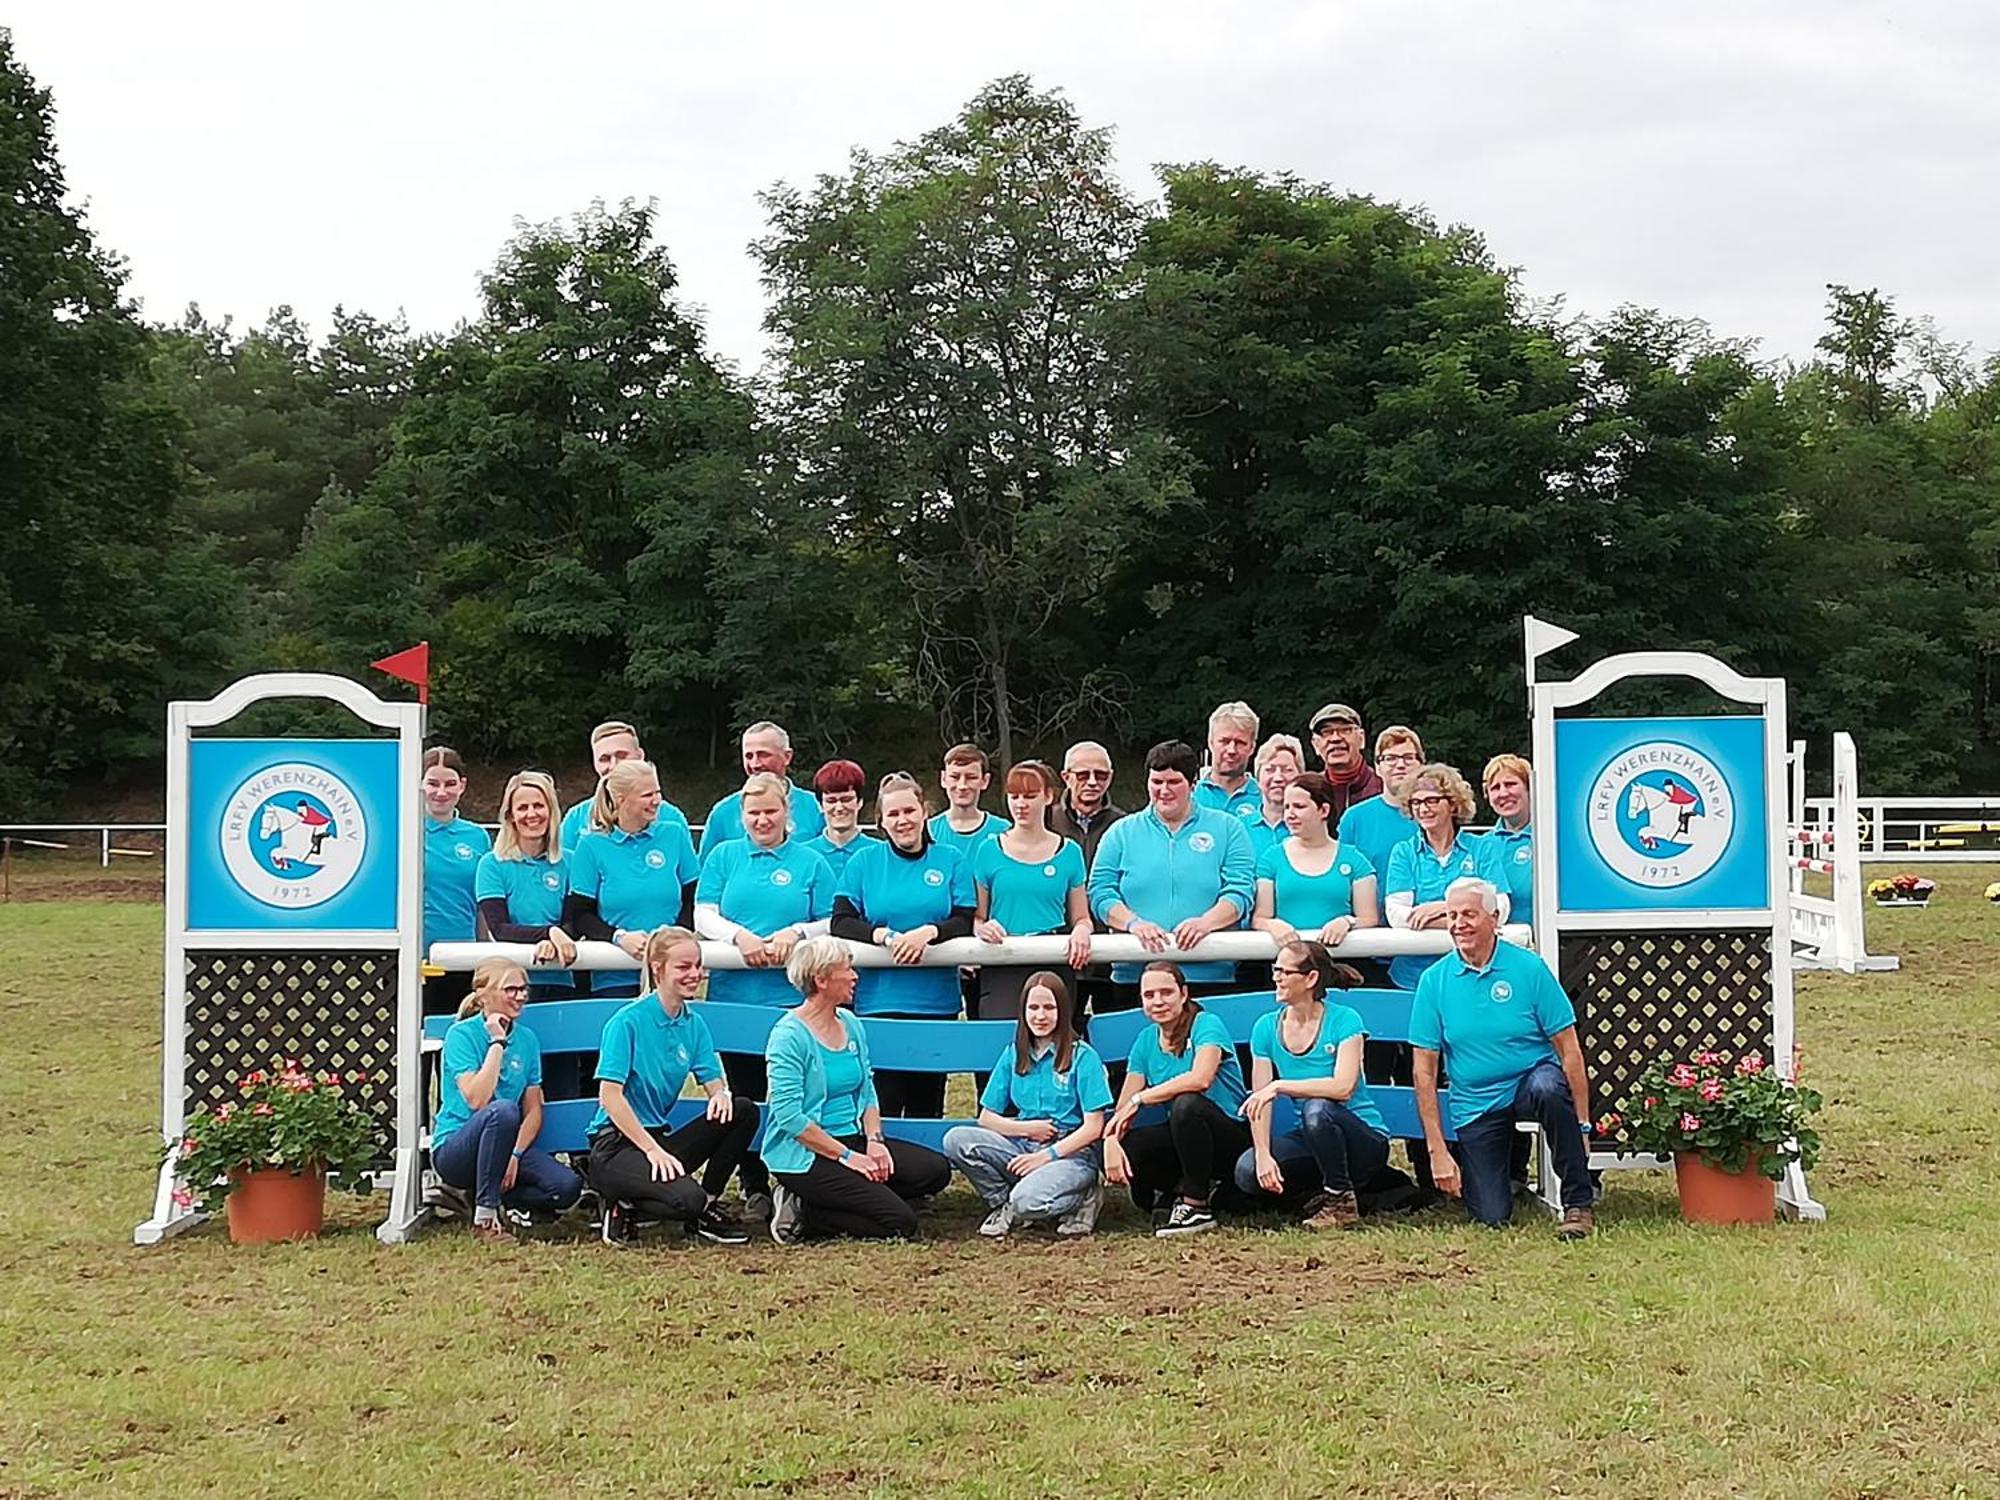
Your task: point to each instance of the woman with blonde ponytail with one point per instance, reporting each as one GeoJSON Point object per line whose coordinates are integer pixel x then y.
{"type": "Point", "coordinates": [490, 1108]}
{"type": "Point", "coordinates": [630, 873]}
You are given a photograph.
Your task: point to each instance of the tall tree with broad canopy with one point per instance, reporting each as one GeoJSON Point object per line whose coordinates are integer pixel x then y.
{"type": "Point", "coordinates": [947, 398]}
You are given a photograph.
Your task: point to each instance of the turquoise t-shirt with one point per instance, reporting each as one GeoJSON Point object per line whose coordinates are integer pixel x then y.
{"type": "Point", "coordinates": [967, 844]}
{"type": "Point", "coordinates": [837, 855]}
{"type": "Point", "coordinates": [465, 1052]}
{"type": "Point", "coordinates": [842, 1115]}
{"type": "Point", "coordinates": [576, 823]}
{"type": "Point", "coordinates": [1246, 802]}
{"type": "Point", "coordinates": [1491, 1025]}
{"type": "Point", "coordinates": [533, 888]}
{"type": "Point", "coordinates": [1338, 1024]}
{"type": "Point", "coordinates": [1155, 1064]}
{"type": "Point", "coordinates": [763, 890]}
{"type": "Point", "coordinates": [635, 877]}
{"type": "Point", "coordinates": [451, 865]}
{"type": "Point", "coordinates": [1028, 898]}
{"type": "Point", "coordinates": [1515, 848]}
{"type": "Point", "coordinates": [725, 820]}
{"type": "Point", "coordinates": [651, 1054]}
{"type": "Point", "coordinates": [1309, 902]}
{"type": "Point", "coordinates": [1374, 827]}
{"type": "Point", "coordinates": [899, 891]}
{"type": "Point", "coordinates": [1415, 867]}
{"type": "Point", "coordinates": [1264, 836]}
{"type": "Point", "coordinates": [1042, 1093]}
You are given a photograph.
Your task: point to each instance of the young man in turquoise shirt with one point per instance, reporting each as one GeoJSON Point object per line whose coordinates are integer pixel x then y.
{"type": "Point", "coordinates": [766, 747]}
{"type": "Point", "coordinates": [1505, 1032]}
{"type": "Point", "coordinates": [1173, 874]}
{"type": "Point", "coordinates": [964, 825]}
{"type": "Point", "coordinates": [1375, 826]}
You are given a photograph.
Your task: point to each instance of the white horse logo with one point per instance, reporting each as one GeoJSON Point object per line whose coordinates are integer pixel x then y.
{"type": "Point", "coordinates": [1668, 809]}
{"type": "Point", "coordinates": [300, 830]}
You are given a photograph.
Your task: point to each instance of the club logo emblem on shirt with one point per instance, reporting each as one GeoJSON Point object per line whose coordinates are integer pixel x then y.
{"type": "Point", "coordinates": [1049, 871]}
{"type": "Point", "coordinates": [551, 881]}
{"type": "Point", "coordinates": [1249, 810]}
{"type": "Point", "coordinates": [655, 860]}
{"type": "Point", "coordinates": [1661, 814]}
{"type": "Point", "coordinates": [781, 877]}
{"type": "Point", "coordinates": [683, 1054]}
{"type": "Point", "coordinates": [463, 851]}
{"type": "Point", "coordinates": [293, 836]}
{"type": "Point", "coordinates": [1201, 843]}
{"type": "Point", "coordinates": [1524, 854]}
{"type": "Point", "coordinates": [933, 877]}
{"type": "Point", "coordinates": [1502, 991]}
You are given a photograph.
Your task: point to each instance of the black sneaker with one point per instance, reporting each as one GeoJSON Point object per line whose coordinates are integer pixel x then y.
{"type": "Point", "coordinates": [1186, 1218]}
{"type": "Point", "coordinates": [617, 1224]}
{"type": "Point", "coordinates": [451, 1203]}
{"type": "Point", "coordinates": [717, 1227]}
{"type": "Point", "coordinates": [759, 1206]}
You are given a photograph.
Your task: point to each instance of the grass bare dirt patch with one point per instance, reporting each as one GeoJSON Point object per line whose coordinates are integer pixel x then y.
{"type": "Point", "coordinates": [1417, 1359]}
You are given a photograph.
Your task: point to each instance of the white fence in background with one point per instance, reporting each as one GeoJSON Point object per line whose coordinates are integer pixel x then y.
{"type": "Point", "coordinates": [1920, 830]}
{"type": "Point", "coordinates": [82, 836]}
{"type": "Point", "coordinates": [1828, 932]}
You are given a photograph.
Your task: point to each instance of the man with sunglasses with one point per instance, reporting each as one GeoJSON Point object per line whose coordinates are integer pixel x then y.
{"type": "Point", "coordinates": [1085, 809]}
{"type": "Point", "coordinates": [1343, 757]}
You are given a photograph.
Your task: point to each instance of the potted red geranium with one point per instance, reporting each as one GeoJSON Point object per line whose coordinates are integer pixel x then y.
{"type": "Point", "coordinates": [269, 1154]}
{"type": "Point", "coordinates": [1732, 1128]}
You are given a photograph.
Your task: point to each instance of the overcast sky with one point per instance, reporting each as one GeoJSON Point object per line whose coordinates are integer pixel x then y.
{"type": "Point", "coordinates": [1717, 160]}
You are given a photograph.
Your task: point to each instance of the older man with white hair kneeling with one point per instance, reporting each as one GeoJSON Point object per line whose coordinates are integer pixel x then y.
{"type": "Point", "coordinates": [1507, 1035]}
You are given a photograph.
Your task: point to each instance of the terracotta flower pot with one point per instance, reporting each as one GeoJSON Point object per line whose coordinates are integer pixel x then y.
{"type": "Point", "coordinates": [276, 1204]}
{"type": "Point", "coordinates": [1710, 1195]}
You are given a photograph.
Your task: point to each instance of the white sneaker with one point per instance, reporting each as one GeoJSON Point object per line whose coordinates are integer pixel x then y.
{"type": "Point", "coordinates": [788, 1215]}
{"type": "Point", "coordinates": [998, 1222]}
{"type": "Point", "coordinates": [1082, 1219]}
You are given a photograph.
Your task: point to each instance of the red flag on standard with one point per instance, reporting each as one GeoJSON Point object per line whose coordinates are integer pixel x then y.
{"type": "Point", "coordinates": [413, 665]}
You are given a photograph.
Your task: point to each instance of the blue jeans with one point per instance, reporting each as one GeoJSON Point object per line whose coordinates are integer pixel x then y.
{"type": "Point", "coordinates": [1331, 1145]}
{"type": "Point", "coordinates": [474, 1158]}
{"type": "Point", "coordinates": [1485, 1145]}
{"type": "Point", "coordinates": [1048, 1192]}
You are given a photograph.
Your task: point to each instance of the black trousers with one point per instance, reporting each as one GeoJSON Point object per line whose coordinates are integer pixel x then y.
{"type": "Point", "coordinates": [1188, 1155]}
{"type": "Point", "coordinates": [620, 1172]}
{"type": "Point", "coordinates": [748, 1080]}
{"type": "Point", "coordinates": [907, 1096]}
{"type": "Point", "coordinates": [840, 1201]}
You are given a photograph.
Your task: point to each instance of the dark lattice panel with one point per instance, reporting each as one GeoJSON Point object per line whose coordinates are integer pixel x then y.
{"type": "Point", "coordinates": [332, 1011]}
{"type": "Point", "coordinates": [1640, 996]}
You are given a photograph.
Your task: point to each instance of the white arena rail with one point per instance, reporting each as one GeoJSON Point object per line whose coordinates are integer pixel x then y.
{"type": "Point", "coordinates": [19, 836]}
{"type": "Point", "coordinates": [1921, 830]}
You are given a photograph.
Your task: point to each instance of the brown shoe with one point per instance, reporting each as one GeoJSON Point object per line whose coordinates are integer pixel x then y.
{"type": "Point", "coordinates": [494, 1233]}
{"type": "Point", "coordinates": [1577, 1224]}
{"type": "Point", "coordinates": [1335, 1211]}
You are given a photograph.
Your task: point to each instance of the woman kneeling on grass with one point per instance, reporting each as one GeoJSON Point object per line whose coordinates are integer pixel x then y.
{"type": "Point", "coordinates": [1309, 1050]}
{"type": "Point", "coordinates": [639, 1163]}
{"type": "Point", "coordinates": [490, 1108]}
{"type": "Point", "coordinates": [1185, 1062]}
{"type": "Point", "coordinates": [835, 1174]}
{"type": "Point", "coordinates": [1033, 1155]}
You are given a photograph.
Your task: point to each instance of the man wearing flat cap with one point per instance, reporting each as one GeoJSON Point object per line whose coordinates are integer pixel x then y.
{"type": "Point", "coordinates": [1342, 743]}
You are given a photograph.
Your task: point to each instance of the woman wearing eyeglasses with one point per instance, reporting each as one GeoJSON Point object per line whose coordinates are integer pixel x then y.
{"type": "Point", "coordinates": [1421, 867]}
{"type": "Point", "coordinates": [490, 1108]}
{"type": "Point", "coordinates": [838, 784]}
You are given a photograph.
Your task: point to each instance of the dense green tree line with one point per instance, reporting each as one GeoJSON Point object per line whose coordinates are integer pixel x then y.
{"type": "Point", "coordinates": [1029, 459]}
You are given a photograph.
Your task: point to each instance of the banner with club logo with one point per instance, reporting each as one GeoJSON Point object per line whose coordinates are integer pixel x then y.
{"type": "Point", "coordinates": [1662, 814]}
{"type": "Point", "coordinates": [292, 834]}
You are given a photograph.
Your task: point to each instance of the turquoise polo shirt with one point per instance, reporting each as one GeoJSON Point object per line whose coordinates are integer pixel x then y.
{"type": "Point", "coordinates": [651, 1054]}
{"type": "Point", "coordinates": [1374, 827]}
{"type": "Point", "coordinates": [837, 855]}
{"type": "Point", "coordinates": [1265, 836]}
{"type": "Point", "coordinates": [1515, 849]}
{"type": "Point", "coordinates": [533, 888]}
{"type": "Point", "coordinates": [967, 844]}
{"type": "Point", "coordinates": [451, 871]}
{"type": "Point", "coordinates": [1491, 1025]}
{"type": "Point", "coordinates": [1042, 1093]}
{"type": "Point", "coordinates": [576, 823]}
{"type": "Point", "coordinates": [636, 878]}
{"type": "Point", "coordinates": [1319, 1062]}
{"type": "Point", "coordinates": [1150, 1061]}
{"type": "Point", "coordinates": [1168, 875]}
{"type": "Point", "coordinates": [801, 1093]}
{"type": "Point", "coordinates": [1246, 802]}
{"type": "Point", "coordinates": [1309, 902]}
{"type": "Point", "coordinates": [465, 1052]}
{"type": "Point", "coordinates": [764, 890]}
{"type": "Point", "coordinates": [1416, 868]}
{"type": "Point", "coordinates": [897, 891]}
{"type": "Point", "coordinates": [1026, 897]}
{"type": "Point", "coordinates": [725, 820]}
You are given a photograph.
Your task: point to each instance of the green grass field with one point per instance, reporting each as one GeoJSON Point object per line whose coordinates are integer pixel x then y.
{"type": "Point", "coordinates": [1852, 1358]}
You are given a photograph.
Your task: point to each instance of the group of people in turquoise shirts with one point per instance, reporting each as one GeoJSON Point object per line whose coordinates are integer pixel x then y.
{"type": "Point", "coordinates": [1254, 840]}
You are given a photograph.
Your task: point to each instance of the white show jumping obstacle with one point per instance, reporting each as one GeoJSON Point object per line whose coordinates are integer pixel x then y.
{"type": "Point", "coordinates": [1828, 932]}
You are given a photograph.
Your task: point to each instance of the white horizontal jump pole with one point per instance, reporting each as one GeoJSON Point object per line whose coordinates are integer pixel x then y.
{"type": "Point", "coordinates": [1051, 951]}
